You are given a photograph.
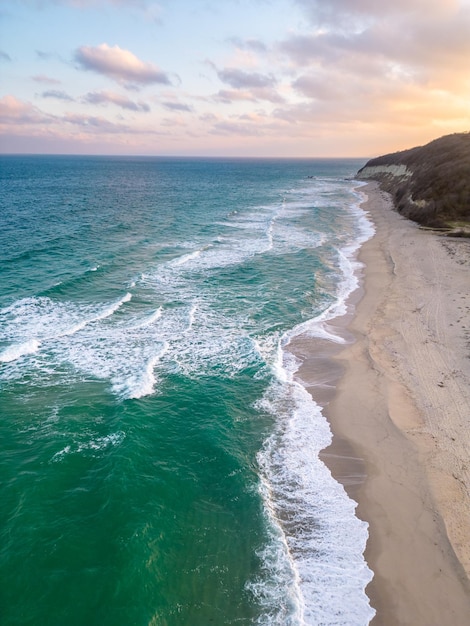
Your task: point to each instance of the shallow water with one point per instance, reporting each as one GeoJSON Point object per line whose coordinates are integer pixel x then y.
{"type": "Point", "coordinates": [159, 462]}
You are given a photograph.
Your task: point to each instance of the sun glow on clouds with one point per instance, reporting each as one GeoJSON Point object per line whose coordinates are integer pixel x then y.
{"type": "Point", "coordinates": [121, 65]}
{"type": "Point", "coordinates": [288, 77]}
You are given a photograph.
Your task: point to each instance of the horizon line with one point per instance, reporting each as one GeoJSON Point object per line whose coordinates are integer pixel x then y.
{"type": "Point", "coordinates": [179, 156]}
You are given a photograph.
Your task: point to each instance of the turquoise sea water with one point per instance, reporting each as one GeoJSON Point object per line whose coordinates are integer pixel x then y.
{"type": "Point", "coordinates": [158, 461]}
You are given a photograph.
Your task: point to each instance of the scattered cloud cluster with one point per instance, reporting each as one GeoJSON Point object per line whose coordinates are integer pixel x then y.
{"type": "Point", "coordinates": [177, 106]}
{"type": "Point", "coordinates": [57, 94]}
{"type": "Point", "coordinates": [16, 112]}
{"type": "Point", "coordinates": [47, 80]}
{"type": "Point", "coordinates": [350, 72]}
{"type": "Point", "coordinates": [245, 85]}
{"type": "Point", "coordinates": [365, 61]}
{"type": "Point", "coordinates": [98, 98]}
{"type": "Point", "coordinates": [109, 97]}
{"type": "Point", "coordinates": [84, 4]}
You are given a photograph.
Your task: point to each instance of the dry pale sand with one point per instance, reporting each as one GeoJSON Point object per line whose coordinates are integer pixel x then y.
{"type": "Point", "coordinates": [398, 400]}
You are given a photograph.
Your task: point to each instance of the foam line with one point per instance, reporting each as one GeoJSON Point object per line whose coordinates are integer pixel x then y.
{"type": "Point", "coordinates": [151, 319]}
{"type": "Point", "coordinates": [186, 258]}
{"type": "Point", "coordinates": [107, 312]}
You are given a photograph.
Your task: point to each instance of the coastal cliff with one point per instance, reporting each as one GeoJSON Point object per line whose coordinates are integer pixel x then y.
{"type": "Point", "coordinates": [429, 184]}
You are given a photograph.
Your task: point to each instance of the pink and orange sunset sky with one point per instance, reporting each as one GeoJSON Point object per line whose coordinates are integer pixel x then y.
{"type": "Point", "coordinates": [293, 78]}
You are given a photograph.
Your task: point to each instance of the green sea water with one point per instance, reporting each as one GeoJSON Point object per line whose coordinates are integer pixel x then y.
{"type": "Point", "coordinates": [158, 460]}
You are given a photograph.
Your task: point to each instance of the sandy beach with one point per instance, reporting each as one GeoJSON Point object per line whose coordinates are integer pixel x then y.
{"type": "Point", "coordinates": [398, 400]}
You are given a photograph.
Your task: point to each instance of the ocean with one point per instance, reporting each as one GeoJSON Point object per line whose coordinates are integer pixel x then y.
{"type": "Point", "coordinates": [159, 458]}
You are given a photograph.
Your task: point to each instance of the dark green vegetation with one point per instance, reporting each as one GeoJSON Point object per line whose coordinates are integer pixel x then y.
{"type": "Point", "coordinates": [434, 189]}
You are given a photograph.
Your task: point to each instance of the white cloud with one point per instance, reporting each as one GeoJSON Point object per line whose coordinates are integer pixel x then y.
{"type": "Point", "coordinates": [139, 4]}
{"type": "Point", "coordinates": [247, 86]}
{"type": "Point", "coordinates": [120, 65]}
{"type": "Point", "coordinates": [228, 96]}
{"type": "Point", "coordinates": [14, 111]}
{"type": "Point", "coordinates": [47, 80]}
{"type": "Point", "coordinates": [94, 123]}
{"type": "Point", "coordinates": [109, 97]}
{"type": "Point", "coordinates": [422, 35]}
{"type": "Point", "coordinates": [235, 128]}
{"type": "Point", "coordinates": [351, 13]}
{"type": "Point", "coordinates": [403, 56]}
{"type": "Point", "coordinates": [325, 68]}
{"type": "Point", "coordinates": [177, 106]}
{"type": "Point", "coordinates": [252, 45]}
{"type": "Point", "coordinates": [240, 79]}
{"type": "Point", "coordinates": [57, 95]}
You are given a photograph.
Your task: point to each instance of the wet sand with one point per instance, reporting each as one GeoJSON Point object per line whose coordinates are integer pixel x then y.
{"type": "Point", "coordinates": [397, 396]}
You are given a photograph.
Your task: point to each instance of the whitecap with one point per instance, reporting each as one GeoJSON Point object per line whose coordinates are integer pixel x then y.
{"type": "Point", "coordinates": [149, 320]}
{"type": "Point", "coordinates": [185, 258]}
{"type": "Point", "coordinates": [142, 382]}
{"type": "Point", "coordinates": [94, 445]}
{"type": "Point", "coordinates": [43, 319]}
{"type": "Point", "coordinates": [15, 351]}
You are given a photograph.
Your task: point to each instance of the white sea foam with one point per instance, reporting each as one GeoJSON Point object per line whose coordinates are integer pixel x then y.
{"type": "Point", "coordinates": [191, 317]}
{"type": "Point", "coordinates": [43, 319]}
{"type": "Point", "coordinates": [186, 258]}
{"type": "Point", "coordinates": [124, 356]}
{"type": "Point", "coordinates": [269, 234]}
{"type": "Point", "coordinates": [123, 350]}
{"type": "Point", "coordinates": [313, 566]}
{"type": "Point", "coordinates": [114, 307]}
{"type": "Point", "coordinates": [142, 382]}
{"type": "Point", "coordinates": [18, 350]}
{"type": "Point", "coordinates": [350, 268]}
{"type": "Point", "coordinates": [277, 590]}
{"type": "Point", "coordinates": [94, 445]}
{"type": "Point", "coordinates": [101, 443]}
{"type": "Point", "coordinates": [269, 351]}
{"type": "Point", "coordinates": [101, 315]}
{"type": "Point", "coordinates": [149, 320]}
{"type": "Point", "coordinates": [85, 337]}
{"type": "Point", "coordinates": [225, 251]}
{"type": "Point", "coordinates": [290, 238]}
{"type": "Point", "coordinates": [58, 456]}
{"type": "Point", "coordinates": [319, 558]}
{"type": "Point", "coordinates": [213, 341]}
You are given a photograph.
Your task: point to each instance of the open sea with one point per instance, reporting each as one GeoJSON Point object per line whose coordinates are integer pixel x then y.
{"type": "Point", "coordinates": [158, 458]}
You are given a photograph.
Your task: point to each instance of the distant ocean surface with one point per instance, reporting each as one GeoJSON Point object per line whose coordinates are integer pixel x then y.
{"type": "Point", "coordinates": [158, 461]}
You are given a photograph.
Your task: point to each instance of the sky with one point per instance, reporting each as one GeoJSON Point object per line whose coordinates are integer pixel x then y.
{"type": "Point", "coordinates": [251, 78]}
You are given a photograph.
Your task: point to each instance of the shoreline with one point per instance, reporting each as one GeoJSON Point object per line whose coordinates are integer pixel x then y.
{"type": "Point", "coordinates": [397, 397]}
